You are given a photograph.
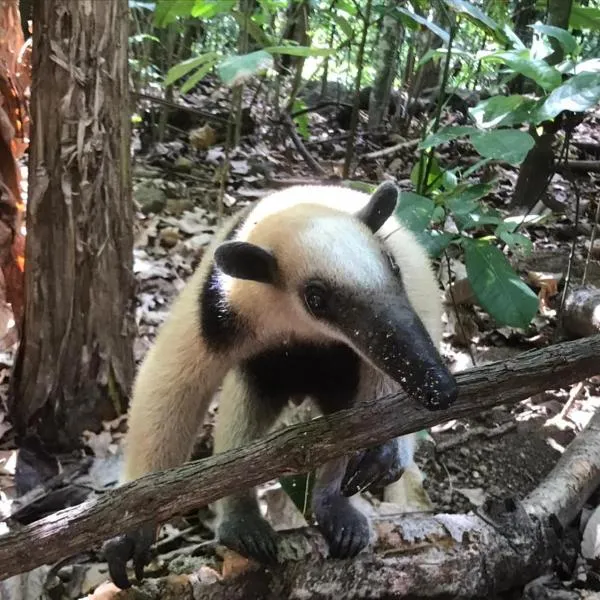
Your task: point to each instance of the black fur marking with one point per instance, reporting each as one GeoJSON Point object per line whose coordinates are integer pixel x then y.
{"type": "Point", "coordinates": [329, 374]}
{"type": "Point", "coordinates": [221, 325]}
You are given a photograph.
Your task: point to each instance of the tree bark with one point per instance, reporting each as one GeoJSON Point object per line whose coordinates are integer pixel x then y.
{"type": "Point", "coordinates": [385, 67]}
{"type": "Point", "coordinates": [75, 363]}
{"type": "Point", "coordinates": [295, 449]}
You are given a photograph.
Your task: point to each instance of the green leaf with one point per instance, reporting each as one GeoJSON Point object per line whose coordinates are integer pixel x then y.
{"type": "Point", "coordinates": [167, 11]}
{"type": "Point", "coordinates": [301, 120]}
{"type": "Point", "coordinates": [584, 17]}
{"type": "Point", "coordinates": [462, 199]}
{"type": "Point", "coordinates": [414, 211]}
{"type": "Point", "coordinates": [434, 179]}
{"type": "Point", "coordinates": [344, 25]}
{"type": "Point", "coordinates": [577, 94]}
{"type": "Point", "coordinates": [205, 9]}
{"type": "Point", "coordinates": [520, 61]}
{"type": "Point", "coordinates": [240, 67]}
{"type": "Point", "coordinates": [299, 489]}
{"type": "Point", "coordinates": [592, 65]}
{"type": "Point", "coordinates": [446, 134]}
{"type": "Point", "coordinates": [435, 242]}
{"type": "Point", "coordinates": [497, 287]}
{"type": "Point", "coordinates": [476, 15]}
{"type": "Point", "coordinates": [300, 50]}
{"type": "Point", "coordinates": [443, 35]}
{"type": "Point", "coordinates": [566, 40]}
{"type": "Point", "coordinates": [517, 242]}
{"type": "Point", "coordinates": [504, 111]}
{"type": "Point", "coordinates": [509, 145]}
{"type": "Point", "coordinates": [183, 68]}
{"type": "Point", "coordinates": [196, 77]}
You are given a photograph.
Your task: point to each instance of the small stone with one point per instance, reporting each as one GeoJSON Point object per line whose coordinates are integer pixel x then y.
{"type": "Point", "coordinates": [169, 236]}
{"type": "Point", "coordinates": [183, 164]}
{"type": "Point", "coordinates": [150, 198]}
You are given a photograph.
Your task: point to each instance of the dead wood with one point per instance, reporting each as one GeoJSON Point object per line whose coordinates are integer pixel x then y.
{"type": "Point", "coordinates": [575, 476]}
{"type": "Point", "coordinates": [296, 449]}
{"type": "Point", "coordinates": [314, 166]}
{"type": "Point", "coordinates": [415, 556]}
{"type": "Point", "coordinates": [390, 149]}
{"type": "Point", "coordinates": [581, 166]}
{"type": "Point", "coordinates": [580, 316]}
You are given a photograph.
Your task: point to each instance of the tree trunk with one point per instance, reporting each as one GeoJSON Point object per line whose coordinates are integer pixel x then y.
{"type": "Point", "coordinates": [385, 67]}
{"type": "Point", "coordinates": [75, 362]}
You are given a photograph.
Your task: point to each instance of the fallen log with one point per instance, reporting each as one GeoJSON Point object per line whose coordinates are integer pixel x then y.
{"type": "Point", "coordinates": [296, 449]}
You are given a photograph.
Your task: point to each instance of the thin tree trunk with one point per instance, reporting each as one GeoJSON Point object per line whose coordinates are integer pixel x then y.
{"type": "Point", "coordinates": [385, 68]}
{"type": "Point", "coordinates": [75, 362]}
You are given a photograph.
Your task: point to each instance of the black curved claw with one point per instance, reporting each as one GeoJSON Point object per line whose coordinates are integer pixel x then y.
{"type": "Point", "coordinates": [135, 545]}
{"type": "Point", "coordinates": [380, 466]}
{"type": "Point", "coordinates": [345, 528]}
{"type": "Point", "coordinates": [250, 535]}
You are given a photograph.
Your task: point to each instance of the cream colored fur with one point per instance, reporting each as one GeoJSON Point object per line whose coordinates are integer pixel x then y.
{"type": "Point", "coordinates": [179, 375]}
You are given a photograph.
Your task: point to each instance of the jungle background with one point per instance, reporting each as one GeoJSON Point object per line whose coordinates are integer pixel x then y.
{"type": "Point", "coordinates": [130, 130]}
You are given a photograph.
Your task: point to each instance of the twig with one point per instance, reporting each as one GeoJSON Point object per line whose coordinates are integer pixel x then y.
{"type": "Point", "coordinates": [461, 438]}
{"type": "Point", "coordinates": [314, 166]}
{"type": "Point", "coordinates": [390, 150]}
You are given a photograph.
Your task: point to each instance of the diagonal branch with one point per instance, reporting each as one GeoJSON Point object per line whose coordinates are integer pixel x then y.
{"type": "Point", "coordinates": [296, 449]}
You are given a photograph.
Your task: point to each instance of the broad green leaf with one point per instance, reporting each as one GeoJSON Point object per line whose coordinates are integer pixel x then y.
{"type": "Point", "coordinates": [592, 65]}
{"type": "Point", "coordinates": [504, 111]}
{"type": "Point", "coordinates": [476, 15]}
{"type": "Point", "coordinates": [183, 68]}
{"type": "Point", "coordinates": [435, 242]}
{"type": "Point", "coordinates": [300, 50]}
{"type": "Point", "coordinates": [520, 61]}
{"type": "Point", "coordinates": [446, 134]}
{"type": "Point", "coordinates": [240, 67]}
{"type": "Point", "coordinates": [566, 40]}
{"type": "Point", "coordinates": [197, 76]}
{"type": "Point", "coordinates": [497, 287]}
{"type": "Point", "coordinates": [414, 211]}
{"type": "Point", "coordinates": [434, 177]}
{"type": "Point", "coordinates": [344, 25]}
{"type": "Point", "coordinates": [584, 17]}
{"type": "Point", "coordinates": [517, 242]}
{"type": "Point", "coordinates": [474, 168]}
{"type": "Point", "coordinates": [509, 145]}
{"type": "Point", "coordinates": [299, 489]}
{"type": "Point", "coordinates": [465, 194]}
{"type": "Point", "coordinates": [577, 94]}
{"type": "Point", "coordinates": [206, 9]}
{"type": "Point", "coordinates": [513, 37]}
{"type": "Point", "coordinates": [167, 11]}
{"type": "Point", "coordinates": [443, 35]}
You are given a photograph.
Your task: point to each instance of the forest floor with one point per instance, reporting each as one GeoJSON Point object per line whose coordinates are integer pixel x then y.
{"type": "Point", "coordinates": [504, 451]}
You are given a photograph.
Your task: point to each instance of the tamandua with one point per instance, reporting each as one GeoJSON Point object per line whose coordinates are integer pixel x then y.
{"type": "Point", "coordinates": [315, 291]}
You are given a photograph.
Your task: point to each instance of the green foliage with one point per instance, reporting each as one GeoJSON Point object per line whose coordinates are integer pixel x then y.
{"type": "Point", "coordinates": [577, 94]}
{"type": "Point", "coordinates": [497, 287]}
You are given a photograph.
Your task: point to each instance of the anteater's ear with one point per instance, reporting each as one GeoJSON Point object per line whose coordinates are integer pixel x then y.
{"type": "Point", "coordinates": [243, 260]}
{"type": "Point", "coordinates": [380, 206]}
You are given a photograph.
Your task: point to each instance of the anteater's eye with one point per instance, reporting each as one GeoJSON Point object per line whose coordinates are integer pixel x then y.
{"type": "Point", "coordinates": [315, 297]}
